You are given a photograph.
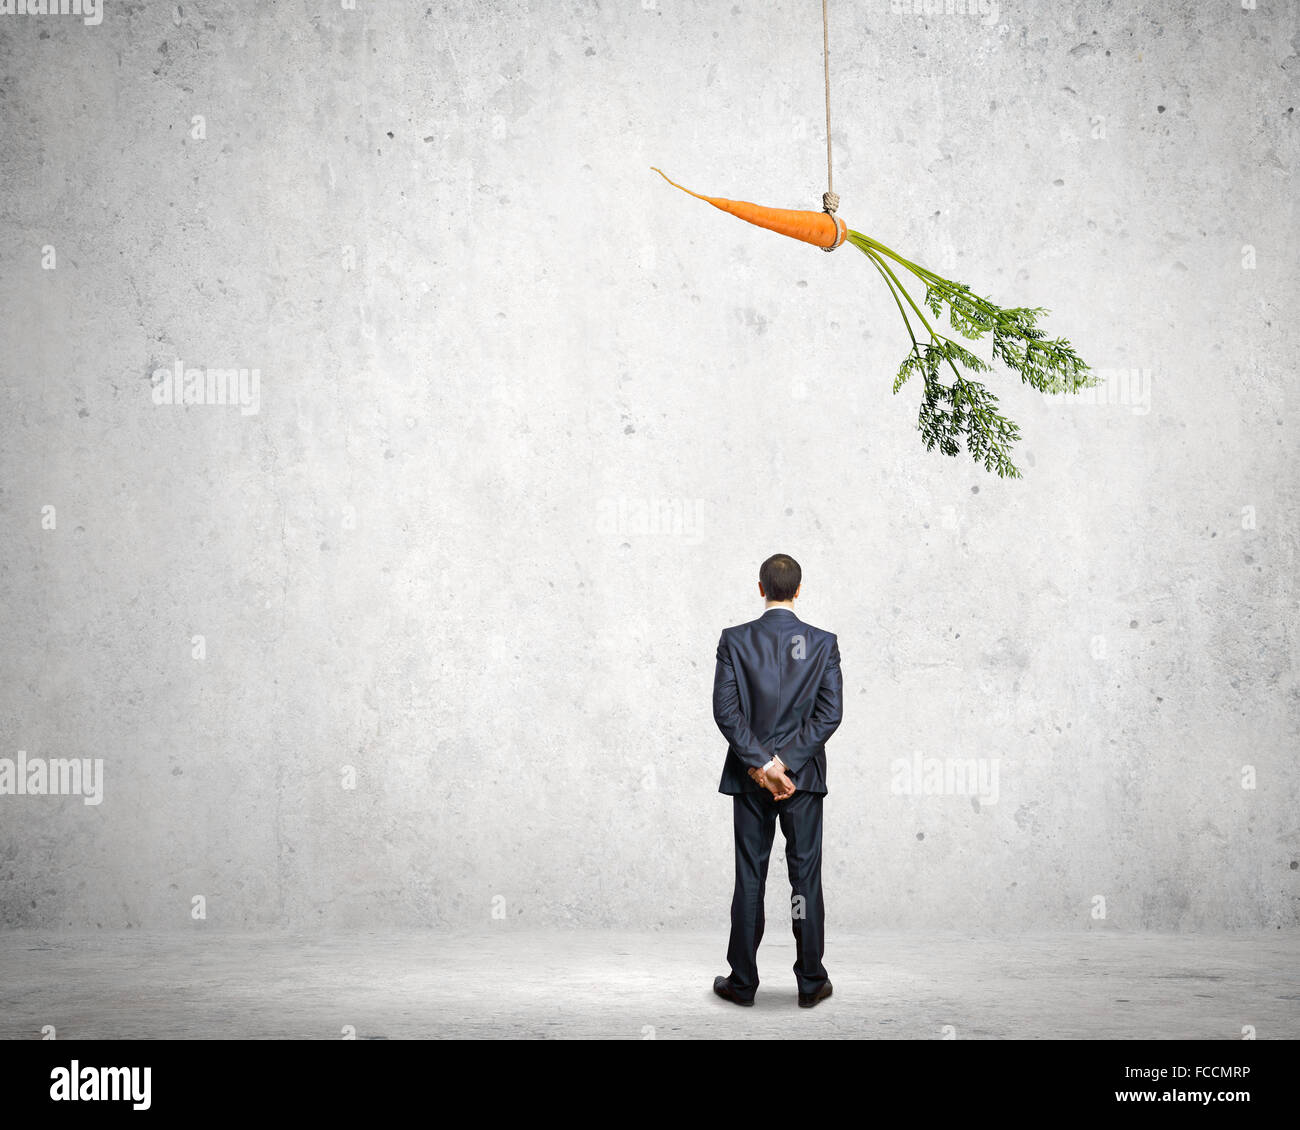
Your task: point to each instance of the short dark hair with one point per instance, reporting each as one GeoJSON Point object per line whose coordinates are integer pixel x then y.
{"type": "Point", "coordinates": [781, 576]}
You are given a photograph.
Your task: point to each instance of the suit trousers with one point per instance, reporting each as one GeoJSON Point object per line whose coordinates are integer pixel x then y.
{"type": "Point", "coordinates": [755, 815]}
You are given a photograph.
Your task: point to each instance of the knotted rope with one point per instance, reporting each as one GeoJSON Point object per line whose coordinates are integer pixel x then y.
{"type": "Point", "coordinates": [830, 200]}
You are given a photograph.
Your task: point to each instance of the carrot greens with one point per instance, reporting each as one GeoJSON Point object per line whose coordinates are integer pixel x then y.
{"type": "Point", "coordinates": [966, 408]}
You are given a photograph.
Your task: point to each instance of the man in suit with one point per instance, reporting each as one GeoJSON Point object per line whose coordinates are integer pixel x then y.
{"type": "Point", "coordinates": [777, 696]}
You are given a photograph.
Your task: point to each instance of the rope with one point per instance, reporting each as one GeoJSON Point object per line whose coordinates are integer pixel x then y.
{"type": "Point", "coordinates": [830, 202]}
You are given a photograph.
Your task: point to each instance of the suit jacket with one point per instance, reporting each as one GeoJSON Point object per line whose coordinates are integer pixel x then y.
{"type": "Point", "coordinates": [777, 689]}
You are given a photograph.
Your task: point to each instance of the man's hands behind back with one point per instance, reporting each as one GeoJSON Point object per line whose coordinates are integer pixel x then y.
{"type": "Point", "coordinates": [775, 781]}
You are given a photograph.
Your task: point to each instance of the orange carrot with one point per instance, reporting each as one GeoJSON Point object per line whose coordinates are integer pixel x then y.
{"type": "Point", "coordinates": [820, 228]}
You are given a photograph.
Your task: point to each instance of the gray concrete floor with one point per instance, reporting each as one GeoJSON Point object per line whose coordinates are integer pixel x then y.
{"type": "Point", "coordinates": [637, 985]}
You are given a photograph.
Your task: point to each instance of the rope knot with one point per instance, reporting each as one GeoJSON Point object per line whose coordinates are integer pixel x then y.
{"type": "Point", "coordinates": [830, 202]}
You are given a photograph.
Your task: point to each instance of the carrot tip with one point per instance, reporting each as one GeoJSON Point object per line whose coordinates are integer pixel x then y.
{"type": "Point", "coordinates": [681, 186]}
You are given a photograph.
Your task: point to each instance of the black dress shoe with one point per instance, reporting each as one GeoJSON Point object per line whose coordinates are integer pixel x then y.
{"type": "Point", "coordinates": [723, 988]}
{"type": "Point", "coordinates": [807, 1000]}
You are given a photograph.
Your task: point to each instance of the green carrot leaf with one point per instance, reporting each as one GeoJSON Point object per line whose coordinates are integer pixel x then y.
{"type": "Point", "coordinates": [966, 411]}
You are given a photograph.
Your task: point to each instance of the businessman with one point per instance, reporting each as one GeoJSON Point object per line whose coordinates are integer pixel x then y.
{"type": "Point", "coordinates": [777, 696]}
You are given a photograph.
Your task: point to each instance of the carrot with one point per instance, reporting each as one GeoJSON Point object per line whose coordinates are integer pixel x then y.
{"type": "Point", "coordinates": [1049, 366]}
{"type": "Point", "coordinates": [819, 228]}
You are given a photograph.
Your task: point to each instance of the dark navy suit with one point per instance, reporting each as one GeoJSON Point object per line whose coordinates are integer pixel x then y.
{"type": "Point", "coordinates": [777, 690]}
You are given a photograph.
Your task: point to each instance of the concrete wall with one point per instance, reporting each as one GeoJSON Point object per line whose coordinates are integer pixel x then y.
{"type": "Point", "coordinates": [527, 419]}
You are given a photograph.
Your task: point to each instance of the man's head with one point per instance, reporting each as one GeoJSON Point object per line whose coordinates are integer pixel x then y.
{"type": "Point", "coordinates": [779, 578]}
